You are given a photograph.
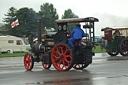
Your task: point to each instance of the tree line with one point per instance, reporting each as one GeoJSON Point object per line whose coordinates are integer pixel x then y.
{"type": "Point", "coordinates": [28, 19]}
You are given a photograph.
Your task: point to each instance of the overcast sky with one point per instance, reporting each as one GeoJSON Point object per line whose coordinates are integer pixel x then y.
{"type": "Point", "coordinates": [111, 13]}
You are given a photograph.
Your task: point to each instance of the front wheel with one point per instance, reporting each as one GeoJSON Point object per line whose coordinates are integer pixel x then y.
{"type": "Point", "coordinates": [62, 57]}
{"type": "Point", "coordinates": [28, 61]}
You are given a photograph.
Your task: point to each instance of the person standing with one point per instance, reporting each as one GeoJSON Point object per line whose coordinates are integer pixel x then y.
{"type": "Point", "coordinates": [103, 46]}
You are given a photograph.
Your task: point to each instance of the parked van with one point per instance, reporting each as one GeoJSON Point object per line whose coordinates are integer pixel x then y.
{"type": "Point", "coordinates": [12, 44]}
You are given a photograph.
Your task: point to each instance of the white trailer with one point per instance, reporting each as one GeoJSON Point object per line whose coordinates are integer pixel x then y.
{"type": "Point", "coordinates": [12, 44]}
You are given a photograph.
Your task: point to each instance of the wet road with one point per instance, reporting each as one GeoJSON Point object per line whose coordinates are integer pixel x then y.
{"type": "Point", "coordinates": [104, 70]}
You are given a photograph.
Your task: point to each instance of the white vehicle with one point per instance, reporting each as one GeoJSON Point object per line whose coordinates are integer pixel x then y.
{"type": "Point", "coordinates": [12, 44]}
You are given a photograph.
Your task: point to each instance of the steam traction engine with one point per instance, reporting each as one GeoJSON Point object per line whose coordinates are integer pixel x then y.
{"type": "Point", "coordinates": [117, 41]}
{"type": "Point", "coordinates": [56, 50]}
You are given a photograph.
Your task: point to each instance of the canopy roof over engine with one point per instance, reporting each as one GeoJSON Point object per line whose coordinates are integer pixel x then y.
{"type": "Point", "coordinates": [77, 20]}
{"type": "Point", "coordinates": [123, 31]}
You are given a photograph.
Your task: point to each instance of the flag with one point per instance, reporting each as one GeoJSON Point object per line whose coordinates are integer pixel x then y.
{"type": "Point", "coordinates": [13, 17]}
{"type": "Point", "coordinates": [15, 23]}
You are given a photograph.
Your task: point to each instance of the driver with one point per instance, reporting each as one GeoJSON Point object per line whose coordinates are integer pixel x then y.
{"type": "Point", "coordinates": [115, 34]}
{"type": "Point", "coordinates": [77, 33]}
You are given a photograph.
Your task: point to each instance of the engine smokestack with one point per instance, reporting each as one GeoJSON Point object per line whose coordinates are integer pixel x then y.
{"type": "Point", "coordinates": [39, 24]}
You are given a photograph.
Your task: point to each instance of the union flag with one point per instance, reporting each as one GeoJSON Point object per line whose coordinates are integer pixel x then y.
{"type": "Point", "coordinates": [15, 23]}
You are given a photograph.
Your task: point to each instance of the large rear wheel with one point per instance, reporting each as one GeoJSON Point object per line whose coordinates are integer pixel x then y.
{"type": "Point", "coordinates": [28, 61]}
{"type": "Point", "coordinates": [62, 57]}
{"type": "Point", "coordinates": [123, 47]}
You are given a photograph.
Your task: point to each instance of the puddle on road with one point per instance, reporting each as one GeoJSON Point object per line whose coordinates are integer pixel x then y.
{"type": "Point", "coordinates": [79, 81]}
{"type": "Point", "coordinates": [68, 81]}
{"type": "Point", "coordinates": [71, 81]}
{"type": "Point", "coordinates": [117, 58]}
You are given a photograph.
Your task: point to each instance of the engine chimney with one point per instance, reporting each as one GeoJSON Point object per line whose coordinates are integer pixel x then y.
{"type": "Point", "coordinates": [39, 24]}
{"type": "Point", "coordinates": [37, 47]}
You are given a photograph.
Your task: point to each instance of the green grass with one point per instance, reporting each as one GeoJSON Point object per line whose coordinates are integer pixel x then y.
{"type": "Point", "coordinates": [98, 50]}
{"type": "Point", "coordinates": [12, 55]}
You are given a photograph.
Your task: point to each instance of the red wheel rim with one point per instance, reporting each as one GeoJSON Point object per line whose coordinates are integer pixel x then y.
{"type": "Point", "coordinates": [78, 66]}
{"type": "Point", "coordinates": [61, 57]}
{"type": "Point", "coordinates": [124, 47]}
{"type": "Point", "coordinates": [27, 61]}
{"type": "Point", "coordinates": [45, 65]}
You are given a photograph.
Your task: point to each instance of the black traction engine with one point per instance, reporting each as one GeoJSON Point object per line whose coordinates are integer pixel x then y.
{"type": "Point", "coordinates": [55, 50]}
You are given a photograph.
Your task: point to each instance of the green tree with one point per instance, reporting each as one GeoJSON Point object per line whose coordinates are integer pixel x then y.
{"type": "Point", "coordinates": [69, 14]}
{"type": "Point", "coordinates": [27, 21]}
{"type": "Point", "coordinates": [49, 15]}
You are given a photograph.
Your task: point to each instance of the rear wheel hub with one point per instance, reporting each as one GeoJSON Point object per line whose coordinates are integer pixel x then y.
{"type": "Point", "coordinates": [61, 57]}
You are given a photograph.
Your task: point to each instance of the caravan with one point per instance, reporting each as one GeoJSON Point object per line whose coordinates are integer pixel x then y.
{"type": "Point", "coordinates": [12, 44]}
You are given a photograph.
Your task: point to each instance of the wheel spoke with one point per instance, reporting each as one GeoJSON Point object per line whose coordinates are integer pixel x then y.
{"type": "Point", "coordinates": [58, 52]}
{"type": "Point", "coordinates": [79, 66]}
{"type": "Point", "coordinates": [29, 60]}
{"type": "Point", "coordinates": [61, 47]}
{"type": "Point", "coordinates": [28, 57]}
{"type": "Point", "coordinates": [56, 57]}
{"type": "Point", "coordinates": [60, 61]}
{"type": "Point", "coordinates": [56, 49]}
{"type": "Point", "coordinates": [66, 56]}
{"type": "Point", "coordinates": [68, 62]}
{"type": "Point", "coordinates": [28, 65]}
{"type": "Point", "coordinates": [63, 64]}
{"type": "Point", "coordinates": [66, 50]}
{"type": "Point", "coordinates": [74, 65]}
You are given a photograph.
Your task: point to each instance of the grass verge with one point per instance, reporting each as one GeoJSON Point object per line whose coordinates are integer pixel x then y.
{"type": "Point", "coordinates": [11, 55]}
